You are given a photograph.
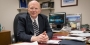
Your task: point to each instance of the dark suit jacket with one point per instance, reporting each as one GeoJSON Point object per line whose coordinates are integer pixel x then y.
{"type": "Point", "coordinates": [25, 29]}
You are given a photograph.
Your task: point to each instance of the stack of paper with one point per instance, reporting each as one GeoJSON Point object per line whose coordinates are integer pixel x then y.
{"type": "Point", "coordinates": [81, 35]}
{"type": "Point", "coordinates": [71, 38]}
{"type": "Point", "coordinates": [25, 43]}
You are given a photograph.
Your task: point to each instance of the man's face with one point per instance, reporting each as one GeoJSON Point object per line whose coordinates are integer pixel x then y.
{"type": "Point", "coordinates": [34, 10]}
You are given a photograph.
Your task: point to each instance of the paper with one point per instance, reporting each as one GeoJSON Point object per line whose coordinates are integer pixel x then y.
{"type": "Point", "coordinates": [53, 41]}
{"type": "Point", "coordinates": [25, 43]}
{"type": "Point", "coordinates": [72, 38]}
{"type": "Point", "coordinates": [81, 34]}
{"type": "Point", "coordinates": [76, 32]}
{"type": "Point", "coordinates": [56, 30]}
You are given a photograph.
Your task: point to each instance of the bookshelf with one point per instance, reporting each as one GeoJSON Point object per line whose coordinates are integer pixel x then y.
{"type": "Point", "coordinates": [45, 9]}
{"type": "Point", "coordinates": [19, 9]}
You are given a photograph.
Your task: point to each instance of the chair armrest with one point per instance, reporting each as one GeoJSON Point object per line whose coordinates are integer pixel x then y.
{"type": "Point", "coordinates": [13, 39]}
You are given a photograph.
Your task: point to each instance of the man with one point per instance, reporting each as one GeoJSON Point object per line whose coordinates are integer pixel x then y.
{"type": "Point", "coordinates": [25, 29]}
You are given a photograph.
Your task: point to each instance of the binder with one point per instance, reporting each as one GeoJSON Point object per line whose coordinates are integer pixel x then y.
{"type": "Point", "coordinates": [72, 42]}
{"type": "Point", "coordinates": [23, 4]}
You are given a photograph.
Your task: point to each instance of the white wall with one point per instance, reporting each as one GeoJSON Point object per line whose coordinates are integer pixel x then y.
{"type": "Point", "coordinates": [8, 10]}
{"type": "Point", "coordinates": [83, 7]}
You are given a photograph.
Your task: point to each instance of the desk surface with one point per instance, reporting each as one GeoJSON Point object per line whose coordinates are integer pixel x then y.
{"type": "Point", "coordinates": [54, 37]}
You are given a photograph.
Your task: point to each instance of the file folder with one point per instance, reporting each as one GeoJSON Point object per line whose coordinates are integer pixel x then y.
{"type": "Point", "coordinates": [72, 42]}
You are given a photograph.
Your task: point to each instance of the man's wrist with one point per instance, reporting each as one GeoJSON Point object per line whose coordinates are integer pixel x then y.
{"type": "Point", "coordinates": [34, 38]}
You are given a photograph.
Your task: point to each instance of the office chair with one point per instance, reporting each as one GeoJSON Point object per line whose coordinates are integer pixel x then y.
{"type": "Point", "coordinates": [14, 37]}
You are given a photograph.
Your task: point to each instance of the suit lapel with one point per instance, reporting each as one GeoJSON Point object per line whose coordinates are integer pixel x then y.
{"type": "Point", "coordinates": [30, 26]}
{"type": "Point", "coordinates": [40, 24]}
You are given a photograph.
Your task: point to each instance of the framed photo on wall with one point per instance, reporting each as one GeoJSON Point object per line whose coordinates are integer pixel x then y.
{"type": "Point", "coordinates": [67, 3]}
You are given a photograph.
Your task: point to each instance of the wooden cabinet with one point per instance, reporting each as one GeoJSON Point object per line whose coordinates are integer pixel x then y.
{"type": "Point", "coordinates": [5, 37]}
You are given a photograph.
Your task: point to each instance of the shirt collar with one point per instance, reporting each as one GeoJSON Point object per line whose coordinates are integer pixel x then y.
{"type": "Point", "coordinates": [34, 19]}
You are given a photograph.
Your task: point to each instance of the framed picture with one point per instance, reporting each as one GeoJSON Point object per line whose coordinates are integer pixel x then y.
{"type": "Point", "coordinates": [66, 3]}
{"type": "Point", "coordinates": [45, 5]}
{"type": "Point", "coordinates": [74, 20]}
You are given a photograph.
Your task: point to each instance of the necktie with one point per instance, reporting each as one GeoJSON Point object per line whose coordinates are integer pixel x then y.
{"type": "Point", "coordinates": [35, 27]}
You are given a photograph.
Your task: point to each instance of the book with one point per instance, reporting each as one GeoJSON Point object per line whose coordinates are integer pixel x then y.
{"type": "Point", "coordinates": [71, 42]}
{"type": "Point", "coordinates": [23, 4]}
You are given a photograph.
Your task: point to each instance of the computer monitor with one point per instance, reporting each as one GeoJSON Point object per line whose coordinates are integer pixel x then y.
{"type": "Point", "coordinates": [57, 20]}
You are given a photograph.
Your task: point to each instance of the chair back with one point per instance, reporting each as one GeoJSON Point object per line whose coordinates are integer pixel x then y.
{"type": "Point", "coordinates": [15, 26]}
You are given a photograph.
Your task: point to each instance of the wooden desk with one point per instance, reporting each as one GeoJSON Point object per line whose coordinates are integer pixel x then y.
{"type": "Point", "coordinates": [55, 35]}
{"type": "Point", "coordinates": [5, 37]}
{"type": "Point", "coordinates": [58, 34]}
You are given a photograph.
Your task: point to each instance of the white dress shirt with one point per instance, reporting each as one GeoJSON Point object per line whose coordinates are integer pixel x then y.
{"type": "Point", "coordinates": [36, 22]}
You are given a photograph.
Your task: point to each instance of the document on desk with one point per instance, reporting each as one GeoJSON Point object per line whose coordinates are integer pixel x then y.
{"type": "Point", "coordinates": [72, 38]}
{"type": "Point", "coordinates": [76, 32]}
{"type": "Point", "coordinates": [53, 41]}
{"type": "Point", "coordinates": [81, 34]}
{"type": "Point", "coordinates": [26, 43]}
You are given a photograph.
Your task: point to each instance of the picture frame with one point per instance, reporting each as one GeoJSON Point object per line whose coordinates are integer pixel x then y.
{"type": "Point", "coordinates": [51, 4]}
{"type": "Point", "coordinates": [67, 3]}
{"type": "Point", "coordinates": [45, 5]}
{"type": "Point", "coordinates": [74, 20]}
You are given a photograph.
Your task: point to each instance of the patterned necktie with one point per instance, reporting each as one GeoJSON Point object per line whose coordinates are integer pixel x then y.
{"type": "Point", "coordinates": [35, 28]}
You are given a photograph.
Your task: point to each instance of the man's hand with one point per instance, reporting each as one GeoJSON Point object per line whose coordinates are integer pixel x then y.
{"type": "Point", "coordinates": [38, 38]}
{"type": "Point", "coordinates": [45, 38]}
{"type": "Point", "coordinates": [42, 38]}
